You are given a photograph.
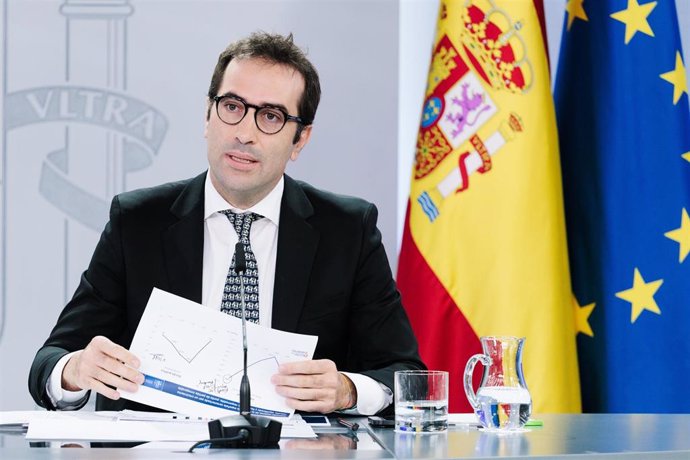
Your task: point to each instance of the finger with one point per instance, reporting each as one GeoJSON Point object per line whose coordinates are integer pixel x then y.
{"type": "Point", "coordinates": [310, 406]}
{"type": "Point", "coordinates": [117, 368]}
{"type": "Point", "coordinates": [299, 380]}
{"type": "Point", "coordinates": [125, 385]}
{"type": "Point", "coordinates": [307, 381]}
{"type": "Point", "coordinates": [307, 394]}
{"type": "Point", "coordinates": [99, 387]}
{"type": "Point", "coordinates": [118, 382]}
{"type": "Point", "coordinates": [107, 378]}
{"type": "Point", "coordinates": [118, 352]}
{"type": "Point", "coordinates": [318, 366]}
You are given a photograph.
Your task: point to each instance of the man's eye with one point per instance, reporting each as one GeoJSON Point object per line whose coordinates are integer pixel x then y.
{"type": "Point", "coordinates": [272, 116]}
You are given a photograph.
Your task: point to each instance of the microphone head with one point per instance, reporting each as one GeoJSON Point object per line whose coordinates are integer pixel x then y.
{"type": "Point", "coordinates": [240, 261]}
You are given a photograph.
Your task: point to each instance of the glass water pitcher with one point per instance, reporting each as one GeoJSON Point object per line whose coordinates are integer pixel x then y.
{"type": "Point", "coordinates": [502, 400]}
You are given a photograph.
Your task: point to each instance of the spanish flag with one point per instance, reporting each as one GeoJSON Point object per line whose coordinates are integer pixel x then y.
{"type": "Point", "coordinates": [484, 246]}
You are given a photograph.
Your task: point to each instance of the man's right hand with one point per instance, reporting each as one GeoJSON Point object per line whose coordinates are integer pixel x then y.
{"type": "Point", "coordinates": [101, 365]}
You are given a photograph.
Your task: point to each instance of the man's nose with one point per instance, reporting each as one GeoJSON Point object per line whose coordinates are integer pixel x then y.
{"type": "Point", "coordinates": [246, 130]}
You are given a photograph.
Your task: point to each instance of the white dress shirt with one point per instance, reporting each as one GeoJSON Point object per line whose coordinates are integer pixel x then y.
{"type": "Point", "coordinates": [220, 238]}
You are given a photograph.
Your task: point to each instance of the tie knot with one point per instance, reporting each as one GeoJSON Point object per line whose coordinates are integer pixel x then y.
{"type": "Point", "coordinates": [241, 222]}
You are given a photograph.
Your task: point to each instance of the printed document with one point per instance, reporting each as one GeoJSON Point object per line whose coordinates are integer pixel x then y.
{"type": "Point", "coordinates": [128, 426]}
{"type": "Point", "coordinates": [192, 359]}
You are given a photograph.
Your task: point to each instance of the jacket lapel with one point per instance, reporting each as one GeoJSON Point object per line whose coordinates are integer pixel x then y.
{"type": "Point", "coordinates": [297, 243]}
{"type": "Point", "coordinates": [183, 241]}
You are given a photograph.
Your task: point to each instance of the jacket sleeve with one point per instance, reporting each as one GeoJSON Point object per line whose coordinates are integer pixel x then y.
{"type": "Point", "coordinates": [382, 338]}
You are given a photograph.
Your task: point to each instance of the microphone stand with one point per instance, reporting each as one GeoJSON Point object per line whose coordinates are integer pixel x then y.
{"type": "Point", "coordinates": [245, 391]}
{"type": "Point", "coordinates": [244, 430]}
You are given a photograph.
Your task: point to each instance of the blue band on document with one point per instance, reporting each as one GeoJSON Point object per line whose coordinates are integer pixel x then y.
{"type": "Point", "coordinates": [204, 398]}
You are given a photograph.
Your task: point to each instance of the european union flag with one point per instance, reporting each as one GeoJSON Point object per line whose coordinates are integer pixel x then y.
{"type": "Point", "coordinates": [624, 127]}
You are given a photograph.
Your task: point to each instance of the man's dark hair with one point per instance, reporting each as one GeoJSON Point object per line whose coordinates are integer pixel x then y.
{"type": "Point", "coordinates": [277, 49]}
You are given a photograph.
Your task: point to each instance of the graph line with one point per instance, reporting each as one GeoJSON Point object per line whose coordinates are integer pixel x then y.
{"type": "Point", "coordinates": [254, 363]}
{"type": "Point", "coordinates": [189, 361]}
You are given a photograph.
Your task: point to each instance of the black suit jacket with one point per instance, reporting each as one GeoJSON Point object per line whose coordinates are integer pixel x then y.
{"type": "Point", "coordinates": [332, 280]}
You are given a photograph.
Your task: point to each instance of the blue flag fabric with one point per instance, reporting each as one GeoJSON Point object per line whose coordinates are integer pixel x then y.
{"type": "Point", "coordinates": [624, 127]}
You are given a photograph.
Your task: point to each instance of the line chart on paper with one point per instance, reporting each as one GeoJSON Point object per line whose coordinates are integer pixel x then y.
{"type": "Point", "coordinates": [191, 354]}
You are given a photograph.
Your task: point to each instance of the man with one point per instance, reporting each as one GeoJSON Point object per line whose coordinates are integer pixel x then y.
{"type": "Point", "coordinates": [316, 258]}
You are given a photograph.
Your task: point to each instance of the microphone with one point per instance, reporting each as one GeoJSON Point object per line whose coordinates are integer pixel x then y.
{"type": "Point", "coordinates": [245, 391]}
{"type": "Point", "coordinates": [240, 262]}
{"type": "Point", "coordinates": [244, 430]}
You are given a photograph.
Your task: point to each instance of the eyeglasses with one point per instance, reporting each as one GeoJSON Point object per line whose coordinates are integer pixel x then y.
{"type": "Point", "coordinates": [270, 120]}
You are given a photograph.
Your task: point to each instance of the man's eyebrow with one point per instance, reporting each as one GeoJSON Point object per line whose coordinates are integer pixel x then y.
{"type": "Point", "coordinates": [232, 95]}
{"type": "Point", "coordinates": [273, 105]}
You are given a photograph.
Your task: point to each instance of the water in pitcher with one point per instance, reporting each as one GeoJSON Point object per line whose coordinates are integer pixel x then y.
{"type": "Point", "coordinates": [504, 407]}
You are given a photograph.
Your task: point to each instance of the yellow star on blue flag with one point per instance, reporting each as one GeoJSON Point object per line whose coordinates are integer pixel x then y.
{"type": "Point", "coordinates": [677, 78]}
{"type": "Point", "coordinates": [575, 10]}
{"type": "Point", "coordinates": [641, 296]}
{"type": "Point", "coordinates": [682, 236]}
{"type": "Point", "coordinates": [635, 19]}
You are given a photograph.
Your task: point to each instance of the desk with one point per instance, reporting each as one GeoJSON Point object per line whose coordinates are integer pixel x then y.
{"type": "Point", "coordinates": [582, 436]}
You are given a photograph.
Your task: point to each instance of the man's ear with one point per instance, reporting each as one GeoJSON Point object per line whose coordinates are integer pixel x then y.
{"type": "Point", "coordinates": [209, 106]}
{"type": "Point", "coordinates": [304, 137]}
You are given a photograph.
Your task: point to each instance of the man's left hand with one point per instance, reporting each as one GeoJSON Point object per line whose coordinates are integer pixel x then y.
{"type": "Point", "coordinates": [314, 386]}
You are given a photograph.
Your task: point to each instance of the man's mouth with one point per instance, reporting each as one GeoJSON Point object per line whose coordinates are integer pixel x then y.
{"type": "Point", "coordinates": [242, 160]}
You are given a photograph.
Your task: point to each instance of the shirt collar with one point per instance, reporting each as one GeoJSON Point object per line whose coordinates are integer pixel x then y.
{"type": "Point", "coordinates": [268, 207]}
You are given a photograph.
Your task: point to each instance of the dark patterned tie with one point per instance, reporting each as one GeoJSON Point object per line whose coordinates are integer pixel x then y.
{"type": "Point", "coordinates": [232, 299]}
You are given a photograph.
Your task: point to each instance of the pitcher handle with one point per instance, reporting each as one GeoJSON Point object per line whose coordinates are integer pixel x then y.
{"type": "Point", "coordinates": [469, 369]}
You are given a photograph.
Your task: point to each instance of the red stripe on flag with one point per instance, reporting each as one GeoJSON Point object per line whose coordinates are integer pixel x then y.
{"type": "Point", "coordinates": [446, 339]}
{"type": "Point", "coordinates": [539, 8]}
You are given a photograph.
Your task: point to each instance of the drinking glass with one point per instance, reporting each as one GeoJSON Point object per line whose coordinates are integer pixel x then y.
{"type": "Point", "coordinates": [421, 401]}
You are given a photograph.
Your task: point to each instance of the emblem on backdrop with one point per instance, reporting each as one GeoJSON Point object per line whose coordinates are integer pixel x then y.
{"type": "Point", "coordinates": [108, 132]}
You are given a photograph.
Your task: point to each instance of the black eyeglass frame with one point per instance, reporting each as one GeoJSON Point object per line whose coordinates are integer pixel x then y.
{"type": "Point", "coordinates": [287, 117]}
